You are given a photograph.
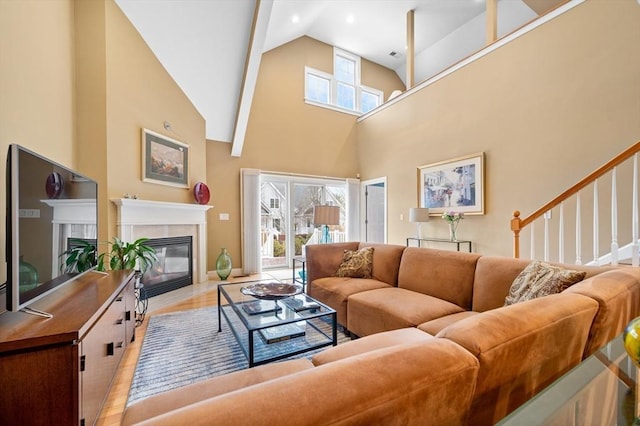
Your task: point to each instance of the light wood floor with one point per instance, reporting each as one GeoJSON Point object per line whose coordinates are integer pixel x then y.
{"type": "Point", "coordinates": [190, 297]}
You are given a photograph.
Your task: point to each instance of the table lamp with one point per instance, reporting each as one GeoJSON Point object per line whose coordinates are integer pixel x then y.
{"type": "Point", "coordinates": [326, 215]}
{"type": "Point", "coordinates": [419, 215]}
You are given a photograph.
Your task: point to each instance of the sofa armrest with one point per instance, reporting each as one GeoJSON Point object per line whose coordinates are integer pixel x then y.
{"type": "Point", "coordinates": [323, 259]}
{"type": "Point", "coordinates": [618, 295]}
{"type": "Point", "coordinates": [429, 382]}
{"type": "Point", "coordinates": [522, 348]}
{"type": "Point", "coordinates": [173, 399]}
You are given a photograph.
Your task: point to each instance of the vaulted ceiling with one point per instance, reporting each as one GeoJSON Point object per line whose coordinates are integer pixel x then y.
{"type": "Point", "coordinates": [212, 48]}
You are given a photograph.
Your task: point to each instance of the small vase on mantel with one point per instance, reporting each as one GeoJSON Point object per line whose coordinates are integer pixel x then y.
{"type": "Point", "coordinates": [223, 264]}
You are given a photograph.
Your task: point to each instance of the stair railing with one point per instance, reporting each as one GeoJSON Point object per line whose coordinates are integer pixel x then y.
{"type": "Point", "coordinates": [629, 251]}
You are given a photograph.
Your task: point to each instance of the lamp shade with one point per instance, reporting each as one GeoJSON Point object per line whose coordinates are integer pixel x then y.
{"type": "Point", "coordinates": [418, 214]}
{"type": "Point", "coordinates": [326, 215]}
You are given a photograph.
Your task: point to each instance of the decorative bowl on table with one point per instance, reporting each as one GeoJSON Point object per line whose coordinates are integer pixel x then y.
{"type": "Point", "coordinates": [271, 291]}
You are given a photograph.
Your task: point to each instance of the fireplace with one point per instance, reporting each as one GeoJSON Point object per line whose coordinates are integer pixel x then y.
{"type": "Point", "coordinates": [174, 267]}
{"type": "Point", "coordinates": [157, 219]}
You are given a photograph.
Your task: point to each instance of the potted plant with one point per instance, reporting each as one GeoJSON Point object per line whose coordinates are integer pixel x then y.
{"type": "Point", "coordinates": [121, 255]}
{"type": "Point", "coordinates": [81, 257]}
{"type": "Point", "coordinates": [124, 255]}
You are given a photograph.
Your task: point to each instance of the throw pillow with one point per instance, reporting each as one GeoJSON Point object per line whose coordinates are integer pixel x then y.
{"type": "Point", "coordinates": [356, 263]}
{"type": "Point", "coordinates": [541, 279]}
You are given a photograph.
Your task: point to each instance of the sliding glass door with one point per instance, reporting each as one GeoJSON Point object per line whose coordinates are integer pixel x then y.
{"type": "Point", "coordinates": [287, 225]}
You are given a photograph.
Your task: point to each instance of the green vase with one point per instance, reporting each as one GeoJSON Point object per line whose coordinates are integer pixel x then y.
{"type": "Point", "coordinates": [28, 276]}
{"type": "Point", "coordinates": [223, 264]}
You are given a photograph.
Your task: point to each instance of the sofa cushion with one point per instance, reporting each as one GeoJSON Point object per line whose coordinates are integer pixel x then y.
{"type": "Point", "coordinates": [618, 295]}
{"type": "Point", "coordinates": [443, 274]}
{"type": "Point", "coordinates": [322, 260]}
{"type": "Point", "coordinates": [434, 326]}
{"type": "Point", "coordinates": [540, 279]}
{"type": "Point", "coordinates": [386, 261]}
{"type": "Point", "coordinates": [356, 263]}
{"type": "Point", "coordinates": [522, 348]}
{"type": "Point", "coordinates": [495, 274]}
{"type": "Point", "coordinates": [370, 343]}
{"type": "Point", "coordinates": [390, 308]}
{"type": "Point", "coordinates": [170, 400]}
{"type": "Point", "coordinates": [335, 291]}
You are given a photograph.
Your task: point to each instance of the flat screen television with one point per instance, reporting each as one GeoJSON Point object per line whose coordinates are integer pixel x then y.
{"type": "Point", "coordinates": [48, 207]}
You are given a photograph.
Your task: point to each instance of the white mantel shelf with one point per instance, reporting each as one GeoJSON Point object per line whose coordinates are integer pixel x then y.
{"type": "Point", "coordinates": [144, 212]}
{"type": "Point", "coordinates": [133, 213]}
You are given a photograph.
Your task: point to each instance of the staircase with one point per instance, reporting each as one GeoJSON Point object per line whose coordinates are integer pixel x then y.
{"type": "Point", "coordinates": [587, 218]}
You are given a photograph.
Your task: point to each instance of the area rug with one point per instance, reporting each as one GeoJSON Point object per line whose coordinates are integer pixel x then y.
{"type": "Point", "coordinates": [185, 347]}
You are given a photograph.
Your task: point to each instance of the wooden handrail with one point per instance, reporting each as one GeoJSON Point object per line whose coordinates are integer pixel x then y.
{"type": "Point", "coordinates": [518, 224]}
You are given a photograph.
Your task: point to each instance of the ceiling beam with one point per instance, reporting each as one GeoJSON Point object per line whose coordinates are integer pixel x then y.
{"type": "Point", "coordinates": [492, 21]}
{"type": "Point", "coordinates": [252, 65]}
{"type": "Point", "coordinates": [411, 54]}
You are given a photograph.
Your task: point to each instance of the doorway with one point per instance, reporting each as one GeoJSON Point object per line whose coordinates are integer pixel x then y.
{"type": "Point", "coordinates": [374, 202]}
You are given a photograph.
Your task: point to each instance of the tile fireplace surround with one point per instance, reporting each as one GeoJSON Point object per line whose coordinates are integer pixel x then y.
{"type": "Point", "coordinates": [159, 219]}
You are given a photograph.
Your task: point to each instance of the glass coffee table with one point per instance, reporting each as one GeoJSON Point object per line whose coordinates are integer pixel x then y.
{"type": "Point", "coordinates": [270, 330]}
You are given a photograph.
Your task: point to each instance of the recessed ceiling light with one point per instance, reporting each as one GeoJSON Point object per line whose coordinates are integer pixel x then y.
{"type": "Point", "coordinates": [295, 18]}
{"type": "Point", "coordinates": [350, 19]}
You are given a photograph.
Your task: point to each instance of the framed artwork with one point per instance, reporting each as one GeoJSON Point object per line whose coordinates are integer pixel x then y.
{"type": "Point", "coordinates": [456, 184]}
{"type": "Point", "coordinates": [164, 160]}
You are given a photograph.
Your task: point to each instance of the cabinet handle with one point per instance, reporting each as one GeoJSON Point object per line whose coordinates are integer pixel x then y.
{"type": "Point", "coordinates": [111, 347]}
{"type": "Point", "coordinates": [127, 315]}
{"type": "Point", "coordinates": [119, 321]}
{"type": "Point", "coordinates": [119, 298]}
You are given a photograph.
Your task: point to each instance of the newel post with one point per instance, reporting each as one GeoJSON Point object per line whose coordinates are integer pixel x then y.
{"type": "Point", "coordinates": [515, 227]}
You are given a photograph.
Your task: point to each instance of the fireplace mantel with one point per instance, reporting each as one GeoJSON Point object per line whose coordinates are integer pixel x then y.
{"type": "Point", "coordinates": [165, 218]}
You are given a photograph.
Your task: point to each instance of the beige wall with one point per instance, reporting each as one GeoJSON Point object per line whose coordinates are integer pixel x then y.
{"type": "Point", "coordinates": [546, 109]}
{"type": "Point", "coordinates": [140, 94]}
{"type": "Point", "coordinates": [78, 83]}
{"type": "Point", "coordinates": [36, 86]}
{"type": "Point", "coordinates": [285, 134]}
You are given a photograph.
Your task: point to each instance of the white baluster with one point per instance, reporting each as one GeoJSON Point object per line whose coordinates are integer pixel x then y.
{"type": "Point", "coordinates": [614, 218]}
{"type": "Point", "coordinates": [532, 242]}
{"type": "Point", "coordinates": [561, 234]}
{"type": "Point", "coordinates": [578, 234]}
{"type": "Point", "coordinates": [596, 234]}
{"type": "Point", "coordinates": [634, 213]}
{"type": "Point", "coordinates": [547, 217]}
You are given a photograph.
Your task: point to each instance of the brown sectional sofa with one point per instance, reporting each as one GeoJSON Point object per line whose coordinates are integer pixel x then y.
{"type": "Point", "coordinates": [438, 347]}
{"type": "Point", "coordinates": [460, 296]}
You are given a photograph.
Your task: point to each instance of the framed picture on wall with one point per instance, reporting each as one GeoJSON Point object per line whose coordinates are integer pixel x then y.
{"type": "Point", "coordinates": [164, 160]}
{"type": "Point", "coordinates": [456, 184]}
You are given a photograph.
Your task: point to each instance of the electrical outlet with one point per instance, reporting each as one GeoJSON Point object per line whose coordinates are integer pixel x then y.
{"type": "Point", "coordinates": [224, 216]}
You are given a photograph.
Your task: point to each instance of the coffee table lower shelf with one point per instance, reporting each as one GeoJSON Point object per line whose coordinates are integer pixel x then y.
{"type": "Point", "coordinates": [307, 334]}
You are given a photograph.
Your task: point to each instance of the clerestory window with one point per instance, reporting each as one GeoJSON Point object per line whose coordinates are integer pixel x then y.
{"type": "Point", "coordinates": [342, 90]}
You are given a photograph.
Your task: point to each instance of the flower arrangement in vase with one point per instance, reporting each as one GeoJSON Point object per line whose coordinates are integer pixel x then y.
{"type": "Point", "coordinates": [453, 218]}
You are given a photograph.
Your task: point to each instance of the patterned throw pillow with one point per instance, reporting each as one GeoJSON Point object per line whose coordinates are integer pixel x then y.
{"type": "Point", "coordinates": [356, 263]}
{"type": "Point", "coordinates": [541, 279]}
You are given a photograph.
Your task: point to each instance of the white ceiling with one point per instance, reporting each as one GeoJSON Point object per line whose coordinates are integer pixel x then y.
{"type": "Point", "coordinates": [203, 44]}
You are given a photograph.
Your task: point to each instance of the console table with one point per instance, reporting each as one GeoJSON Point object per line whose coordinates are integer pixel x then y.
{"type": "Point", "coordinates": [59, 370]}
{"type": "Point", "coordinates": [439, 240]}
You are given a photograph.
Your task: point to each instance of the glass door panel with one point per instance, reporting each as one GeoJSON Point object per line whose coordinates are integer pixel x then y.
{"type": "Point", "coordinates": [305, 197]}
{"type": "Point", "coordinates": [274, 201]}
